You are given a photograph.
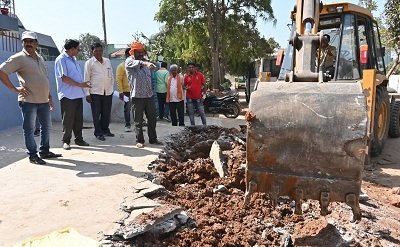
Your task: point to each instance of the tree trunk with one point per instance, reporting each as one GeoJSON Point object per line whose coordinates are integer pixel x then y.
{"type": "Point", "coordinates": [222, 61]}
{"type": "Point", "coordinates": [103, 12]}
{"type": "Point", "coordinates": [211, 25]}
{"type": "Point", "coordinates": [394, 66]}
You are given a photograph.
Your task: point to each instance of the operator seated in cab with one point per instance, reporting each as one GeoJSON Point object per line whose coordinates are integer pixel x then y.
{"type": "Point", "coordinates": [327, 55]}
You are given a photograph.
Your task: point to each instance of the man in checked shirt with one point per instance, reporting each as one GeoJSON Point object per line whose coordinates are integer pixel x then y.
{"type": "Point", "coordinates": [139, 77]}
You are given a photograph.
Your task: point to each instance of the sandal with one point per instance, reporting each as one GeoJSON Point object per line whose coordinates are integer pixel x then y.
{"type": "Point", "coordinates": [49, 155]}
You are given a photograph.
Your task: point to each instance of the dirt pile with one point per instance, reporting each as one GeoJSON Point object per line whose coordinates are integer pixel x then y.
{"type": "Point", "coordinates": [220, 218]}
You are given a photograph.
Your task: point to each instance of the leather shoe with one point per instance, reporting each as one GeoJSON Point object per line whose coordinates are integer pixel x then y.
{"type": "Point", "coordinates": [101, 138]}
{"type": "Point", "coordinates": [156, 142]}
{"type": "Point", "coordinates": [109, 134]}
{"type": "Point", "coordinates": [82, 143]}
{"type": "Point", "coordinates": [34, 159]}
{"type": "Point", "coordinates": [49, 155]}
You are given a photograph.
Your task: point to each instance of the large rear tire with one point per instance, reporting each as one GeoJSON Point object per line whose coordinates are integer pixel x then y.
{"type": "Point", "coordinates": [233, 110]}
{"type": "Point", "coordinates": [381, 120]}
{"type": "Point", "coordinates": [394, 126]}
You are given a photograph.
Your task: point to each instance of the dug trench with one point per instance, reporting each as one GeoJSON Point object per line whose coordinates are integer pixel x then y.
{"type": "Point", "coordinates": [205, 209]}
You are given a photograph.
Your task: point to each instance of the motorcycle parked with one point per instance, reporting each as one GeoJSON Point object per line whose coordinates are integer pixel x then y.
{"type": "Point", "coordinates": [227, 105]}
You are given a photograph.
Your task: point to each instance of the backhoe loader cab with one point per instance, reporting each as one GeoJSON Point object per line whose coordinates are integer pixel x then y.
{"type": "Point", "coordinates": [310, 133]}
{"type": "Point", "coordinates": [354, 35]}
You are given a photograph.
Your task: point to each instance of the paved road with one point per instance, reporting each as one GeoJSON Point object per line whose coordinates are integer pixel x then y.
{"type": "Point", "coordinates": [83, 189]}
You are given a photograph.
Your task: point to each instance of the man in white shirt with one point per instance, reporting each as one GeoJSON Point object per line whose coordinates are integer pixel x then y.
{"type": "Point", "coordinates": [98, 72]}
{"type": "Point", "coordinates": [175, 96]}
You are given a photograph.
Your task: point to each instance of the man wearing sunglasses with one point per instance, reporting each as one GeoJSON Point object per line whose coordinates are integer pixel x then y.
{"type": "Point", "coordinates": [33, 95]}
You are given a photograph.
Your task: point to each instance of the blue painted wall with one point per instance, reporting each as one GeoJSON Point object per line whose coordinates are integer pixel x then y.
{"type": "Point", "coordinates": [11, 115]}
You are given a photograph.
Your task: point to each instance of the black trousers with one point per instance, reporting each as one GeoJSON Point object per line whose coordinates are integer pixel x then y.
{"type": "Point", "coordinates": [177, 107]}
{"type": "Point", "coordinates": [127, 110]}
{"type": "Point", "coordinates": [101, 113]}
{"type": "Point", "coordinates": [162, 105]}
{"type": "Point", "coordinates": [72, 119]}
{"type": "Point", "coordinates": [145, 106]}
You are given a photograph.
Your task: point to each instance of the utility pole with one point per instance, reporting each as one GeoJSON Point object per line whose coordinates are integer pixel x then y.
{"type": "Point", "coordinates": [104, 22]}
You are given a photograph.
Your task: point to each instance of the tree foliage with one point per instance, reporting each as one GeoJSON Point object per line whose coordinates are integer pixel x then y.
{"type": "Point", "coordinates": [392, 24]}
{"type": "Point", "coordinates": [219, 34]}
{"type": "Point", "coordinates": [369, 4]}
{"type": "Point", "coordinates": [85, 41]}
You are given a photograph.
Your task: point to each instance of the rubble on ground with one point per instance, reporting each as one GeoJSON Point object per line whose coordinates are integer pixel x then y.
{"type": "Point", "coordinates": [203, 205]}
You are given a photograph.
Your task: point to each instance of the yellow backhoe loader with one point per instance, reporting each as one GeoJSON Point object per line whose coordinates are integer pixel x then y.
{"type": "Point", "coordinates": [311, 132]}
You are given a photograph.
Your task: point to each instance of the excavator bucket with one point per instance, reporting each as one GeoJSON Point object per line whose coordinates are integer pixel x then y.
{"type": "Point", "coordinates": [307, 140]}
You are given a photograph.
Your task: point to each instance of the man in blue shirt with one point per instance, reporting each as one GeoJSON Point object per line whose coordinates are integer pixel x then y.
{"type": "Point", "coordinates": [70, 88]}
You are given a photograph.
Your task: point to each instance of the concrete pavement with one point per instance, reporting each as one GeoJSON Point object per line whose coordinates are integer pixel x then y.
{"type": "Point", "coordinates": [83, 189]}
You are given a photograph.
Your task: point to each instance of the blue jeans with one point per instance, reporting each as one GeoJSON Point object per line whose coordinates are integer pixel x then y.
{"type": "Point", "coordinates": [198, 104]}
{"type": "Point", "coordinates": [127, 113]}
{"type": "Point", "coordinates": [30, 112]}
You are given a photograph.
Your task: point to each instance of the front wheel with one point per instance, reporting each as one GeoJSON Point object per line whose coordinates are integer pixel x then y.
{"type": "Point", "coordinates": [381, 120]}
{"type": "Point", "coordinates": [232, 110]}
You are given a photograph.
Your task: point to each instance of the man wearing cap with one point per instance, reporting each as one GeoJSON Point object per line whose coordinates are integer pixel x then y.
{"type": "Point", "coordinates": [33, 95]}
{"type": "Point", "coordinates": [139, 77]}
{"type": "Point", "coordinates": [71, 91]}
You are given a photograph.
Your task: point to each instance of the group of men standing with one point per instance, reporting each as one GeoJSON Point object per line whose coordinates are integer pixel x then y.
{"type": "Point", "coordinates": [96, 85]}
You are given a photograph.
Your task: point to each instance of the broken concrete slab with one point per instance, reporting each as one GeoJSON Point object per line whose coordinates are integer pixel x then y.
{"type": "Point", "coordinates": [153, 190]}
{"type": "Point", "coordinates": [164, 227]}
{"type": "Point", "coordinates": [148, 221]}
{"type": "Point", "coordinates": [182, 218]}
{"type": "Point", "coordinates": [142, 185]}
{"type": "Point", "coordinates": [218, 159]}
{"type": "Point", "coordinates": [111, 229]}
{"type": "Point", "coordinates": [220, 188]}
{"type": "Point", "coordinates": [138, 201]}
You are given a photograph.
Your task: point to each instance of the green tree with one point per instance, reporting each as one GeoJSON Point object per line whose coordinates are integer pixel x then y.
{"type": "Point", "coordinates": [206, 27]}
{"type": "Point", "coordinates": [85, 41]}
{"type": "Point", "coordinates": [369, 4]}
{"type": "Point", "coordinates": [392, 32]}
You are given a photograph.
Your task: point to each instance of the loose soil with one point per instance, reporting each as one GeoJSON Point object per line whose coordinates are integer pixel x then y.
{"type": "Point", "coordinates": [222, 219]}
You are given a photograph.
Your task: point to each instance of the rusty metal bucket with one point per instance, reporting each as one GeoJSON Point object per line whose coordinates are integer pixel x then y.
{"type": "Point", "coordinates": [307, 141]}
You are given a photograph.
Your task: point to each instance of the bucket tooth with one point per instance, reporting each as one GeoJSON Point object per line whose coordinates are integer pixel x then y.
{"type": "Point", "coordinates": [275, 195]}
{"type": "Point", "coordinates": [250, 190]}
{"type": "Point", "coordinates": [353, 202]}
{"type": "Point", "coordinates": [324, 203]}
{"type": "Point", "coordinates": [298, 201]}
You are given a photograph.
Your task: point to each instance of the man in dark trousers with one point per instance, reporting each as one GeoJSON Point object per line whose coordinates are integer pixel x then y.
{"type": "Point", "coordinates": [139, 77]}
{"type": "Point", "coordinates": [98, 72]}
{"type": "Point", "coordinates": [71, 91]}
